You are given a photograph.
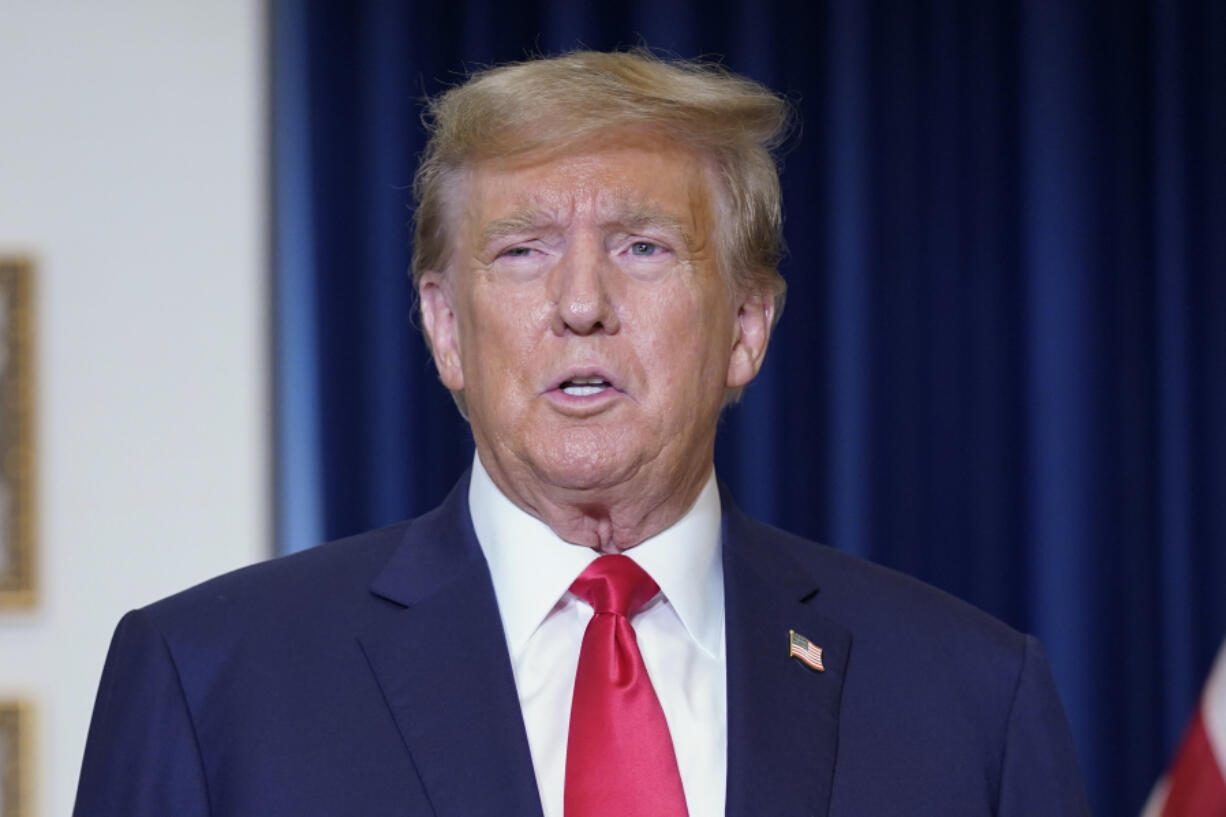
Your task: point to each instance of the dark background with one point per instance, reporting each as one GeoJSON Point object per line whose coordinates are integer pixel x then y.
{"type": "Point", "coordinates": [1002, 367]}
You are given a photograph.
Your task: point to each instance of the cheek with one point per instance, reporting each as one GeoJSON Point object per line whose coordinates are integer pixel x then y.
{"type": "Point", "coordinates": [502, 330]}
{"type": "Point", "coordinates": [688, 343]}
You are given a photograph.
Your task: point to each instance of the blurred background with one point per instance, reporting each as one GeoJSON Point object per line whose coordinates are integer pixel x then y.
{"type": "Point", "coordinates": [1002, 366]}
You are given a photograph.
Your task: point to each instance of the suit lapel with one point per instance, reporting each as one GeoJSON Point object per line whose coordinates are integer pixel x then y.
{"type": "Point", "coordinates": [783, 717]}
{"type": "Point", "coordinates": [444, 670]}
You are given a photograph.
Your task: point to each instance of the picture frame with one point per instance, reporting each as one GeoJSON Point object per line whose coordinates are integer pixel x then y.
{"type": "Point", "coordinates": [17, 557]}
{"type": "Point", "coordinates": [15, 755]}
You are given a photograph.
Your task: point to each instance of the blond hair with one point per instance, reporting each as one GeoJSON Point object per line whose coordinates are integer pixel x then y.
{"type": "Point", "coordinates": [549, 103]}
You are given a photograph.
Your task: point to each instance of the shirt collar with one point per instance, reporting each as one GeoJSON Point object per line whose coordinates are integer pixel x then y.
{"type": "Point", "coordinates": [532, 567]}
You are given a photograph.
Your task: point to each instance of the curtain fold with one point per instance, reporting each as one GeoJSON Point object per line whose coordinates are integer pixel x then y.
{"type": "Point", "coordinates": [1002, 366]}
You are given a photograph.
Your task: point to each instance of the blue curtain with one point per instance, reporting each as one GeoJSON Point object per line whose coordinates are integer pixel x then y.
{"type": "Point", "coordinates": [1003, 363]}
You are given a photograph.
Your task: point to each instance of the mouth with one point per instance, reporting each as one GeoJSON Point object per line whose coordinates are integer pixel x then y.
{"type": "Point", "coordinates": [584, 386]}
{"type": "Point", "coordinates": [584, 389]}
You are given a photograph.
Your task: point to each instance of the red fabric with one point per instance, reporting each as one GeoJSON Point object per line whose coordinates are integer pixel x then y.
{"type": "Point", "coordinates": [1197, 788]}
{"type": "Point", "coordinates": [619, 756]}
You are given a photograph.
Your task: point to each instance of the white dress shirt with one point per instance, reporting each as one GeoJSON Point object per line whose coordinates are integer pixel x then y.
{"type": "Point", "coordinates": [680, 634]}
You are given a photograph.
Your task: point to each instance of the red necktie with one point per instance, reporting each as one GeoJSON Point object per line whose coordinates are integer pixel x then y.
{"type": "Point", "coordinates": [619, 756]}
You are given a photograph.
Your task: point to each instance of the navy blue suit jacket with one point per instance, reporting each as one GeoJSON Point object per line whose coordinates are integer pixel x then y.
{"type": "Point", "coordinates": [370, 677]}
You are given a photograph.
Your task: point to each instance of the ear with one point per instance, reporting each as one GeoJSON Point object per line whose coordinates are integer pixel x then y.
{"type": "Point", "coordinates": [439, 319]}
{"type": "Point", "coordinates": [754, 319]}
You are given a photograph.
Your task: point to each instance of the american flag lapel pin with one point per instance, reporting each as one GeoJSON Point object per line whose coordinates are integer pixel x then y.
{"type": "Point", "coordinates": [809, 653]}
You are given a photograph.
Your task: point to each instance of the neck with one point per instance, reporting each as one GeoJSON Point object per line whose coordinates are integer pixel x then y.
{"type": "Point", "coordinates": [605, 518]}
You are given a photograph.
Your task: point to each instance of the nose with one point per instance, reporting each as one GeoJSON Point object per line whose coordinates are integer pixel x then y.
{"type": "Point", "coordinates": [581, 294]}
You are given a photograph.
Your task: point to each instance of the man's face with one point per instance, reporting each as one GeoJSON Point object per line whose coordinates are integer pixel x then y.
{"type": "Point", "coordinates": [586, 321]}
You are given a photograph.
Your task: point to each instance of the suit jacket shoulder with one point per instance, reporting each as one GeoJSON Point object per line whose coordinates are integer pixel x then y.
{"type": "Point", "coordinates": [896, 612]}
{"type": "Point", "coordinates": [347, 679]}
{"type": "Point", "coordinates": [328, 583]}
{"type": "Point", "coordinates": [941, 709]}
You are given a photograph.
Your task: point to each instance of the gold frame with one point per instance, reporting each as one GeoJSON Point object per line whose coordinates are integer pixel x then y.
{"type": "Point", "coordinates": [17, 558]}
{"type": "Point", "coordinates": [15, 752]}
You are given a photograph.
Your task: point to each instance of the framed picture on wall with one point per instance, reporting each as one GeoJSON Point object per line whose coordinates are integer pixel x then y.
{"type": "Point", "coordinates": [17, 558]}
{"type": "Point", "coordinates": [14, 759]}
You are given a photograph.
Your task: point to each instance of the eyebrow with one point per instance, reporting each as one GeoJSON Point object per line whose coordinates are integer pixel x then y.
{"type": "Point", "coordinates": [635, 217]}
{"type": "Point", "coordinates": [645, 215]}
{"type": "Point", "coordinates": [642, 216]}
{"type": "Point", "coordinates": [521, 221]}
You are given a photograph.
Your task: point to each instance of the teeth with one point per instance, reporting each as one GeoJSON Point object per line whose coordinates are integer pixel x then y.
{"type": "Point", "coordinates": [578, 390]}
{"type": "Point", "coordinates": [584, 386]}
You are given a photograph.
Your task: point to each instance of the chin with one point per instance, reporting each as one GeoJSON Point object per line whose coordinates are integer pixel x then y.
{"type": "Point", "coordinates": [584, 462]}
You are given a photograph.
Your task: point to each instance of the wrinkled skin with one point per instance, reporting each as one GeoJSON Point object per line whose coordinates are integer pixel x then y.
{"type": "Point", "coordinates": [596, 265]}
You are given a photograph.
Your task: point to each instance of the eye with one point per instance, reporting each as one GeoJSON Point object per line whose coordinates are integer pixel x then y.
{"type": "Point", "coordinates": [516, 252]}
{"type": "Point", "coordinates": [644, 249]}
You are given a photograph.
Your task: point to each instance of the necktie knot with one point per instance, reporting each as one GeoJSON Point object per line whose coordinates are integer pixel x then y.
{"type": "Point", "coordinates": [615, 584]}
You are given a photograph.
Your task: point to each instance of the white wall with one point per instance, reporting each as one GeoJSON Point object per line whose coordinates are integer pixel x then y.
{"type": "Point", "coordinates": [133, 167]}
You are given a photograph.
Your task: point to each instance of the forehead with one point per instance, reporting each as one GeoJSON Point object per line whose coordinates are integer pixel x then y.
{"type": "Point", "coordinates": [624, 179]}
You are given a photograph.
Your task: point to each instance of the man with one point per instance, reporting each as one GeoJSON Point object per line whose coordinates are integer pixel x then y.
{"type": "Point", "coordinates": [586, 626]}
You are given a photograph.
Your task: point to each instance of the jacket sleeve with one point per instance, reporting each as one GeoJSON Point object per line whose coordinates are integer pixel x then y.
{"type": "Point", "coordinates": [141, 757]}
{"type": "Point", "coordinates": [1040, 773]}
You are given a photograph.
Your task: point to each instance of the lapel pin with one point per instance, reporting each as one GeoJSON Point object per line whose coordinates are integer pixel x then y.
{"type": "Point", "coordinates": [809, 653]}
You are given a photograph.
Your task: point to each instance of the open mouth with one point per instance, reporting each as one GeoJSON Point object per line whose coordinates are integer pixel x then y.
{"type": "Point", "coordinates": [584, 386]}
